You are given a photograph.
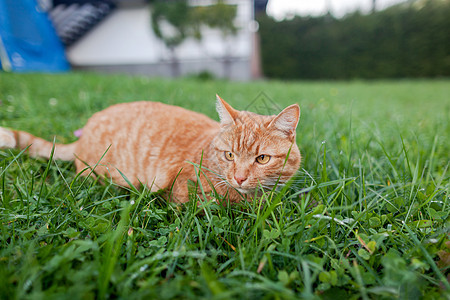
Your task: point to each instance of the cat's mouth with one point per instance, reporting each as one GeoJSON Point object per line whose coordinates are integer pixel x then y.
{"type": "Point", "coordinates": [245, 190]}
{"type": "Point", "coordinates": [242, 191]}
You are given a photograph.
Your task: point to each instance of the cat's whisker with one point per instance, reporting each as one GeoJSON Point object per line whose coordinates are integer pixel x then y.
{"type": "Point", "coordinates": [220, 184]}
{"type": "Point", "coordinates": [274, 182]}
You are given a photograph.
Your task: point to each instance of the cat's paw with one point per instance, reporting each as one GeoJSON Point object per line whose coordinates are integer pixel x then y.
{"type": "Point", "coordinates": [7, 139]}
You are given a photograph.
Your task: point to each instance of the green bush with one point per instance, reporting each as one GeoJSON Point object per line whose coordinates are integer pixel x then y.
{"type": "Point", "coordinates": [407, 40]}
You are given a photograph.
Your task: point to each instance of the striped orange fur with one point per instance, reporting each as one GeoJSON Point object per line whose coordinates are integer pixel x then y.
{"type": "Point", "coordinates": [162, 146]}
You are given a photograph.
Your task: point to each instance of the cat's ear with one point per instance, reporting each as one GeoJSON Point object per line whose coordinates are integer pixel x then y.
{"type": "Point", "coordinates": [287, 120]}
{"type": "Point", "coordinates": [227, 114]}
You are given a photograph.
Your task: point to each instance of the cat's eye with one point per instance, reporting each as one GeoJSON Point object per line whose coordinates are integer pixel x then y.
{"type": "Point", "coordinates": [263, 159]}
{"type": "Point", "coordinates": [229, 155]}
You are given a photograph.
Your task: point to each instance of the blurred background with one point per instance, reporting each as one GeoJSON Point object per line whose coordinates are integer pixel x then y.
{"type": "Point", "coordinates": [234, 39]}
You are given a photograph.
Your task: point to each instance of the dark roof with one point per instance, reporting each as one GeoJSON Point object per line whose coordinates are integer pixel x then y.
{"type": "Point", "coordinates": [260, 6]}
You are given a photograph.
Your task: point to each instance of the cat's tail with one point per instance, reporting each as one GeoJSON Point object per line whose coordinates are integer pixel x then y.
{"type": "Point", "coordinates": [37, 147]}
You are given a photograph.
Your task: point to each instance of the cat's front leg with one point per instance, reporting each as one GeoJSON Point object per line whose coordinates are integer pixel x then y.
{"type": "Point", "coordinates": [179, 192]}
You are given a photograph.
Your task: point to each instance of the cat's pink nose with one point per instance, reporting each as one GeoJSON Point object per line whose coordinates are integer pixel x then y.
{"type": "Point", "coordinates": [240, 179]}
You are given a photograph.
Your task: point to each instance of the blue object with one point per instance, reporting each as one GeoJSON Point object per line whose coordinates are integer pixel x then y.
{"type": "Point", "coordinates": [28, 41]}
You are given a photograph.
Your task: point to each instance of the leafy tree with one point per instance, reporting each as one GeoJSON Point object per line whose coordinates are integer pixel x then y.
{"type": "Point", "coordinates": [219, 16]}
{"type": "Point", "coordinates": [182, 20]}
{"type": "Point", "coordinates": [174, 16]}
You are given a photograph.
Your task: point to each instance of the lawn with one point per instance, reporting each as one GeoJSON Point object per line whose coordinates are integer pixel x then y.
{"type": "Point", "coordinates": [366, 217]}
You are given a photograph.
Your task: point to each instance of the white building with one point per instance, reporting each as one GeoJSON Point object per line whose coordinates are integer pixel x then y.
{"type": "Point", "coordinates": [125, 42]}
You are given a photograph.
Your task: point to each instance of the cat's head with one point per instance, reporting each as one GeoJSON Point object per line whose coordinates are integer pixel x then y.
{"type": "Point", "coordinates": [254, 150]}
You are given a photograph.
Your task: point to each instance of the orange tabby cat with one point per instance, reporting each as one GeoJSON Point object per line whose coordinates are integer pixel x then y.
{"type": "Point", "coordinates": [163, 146]}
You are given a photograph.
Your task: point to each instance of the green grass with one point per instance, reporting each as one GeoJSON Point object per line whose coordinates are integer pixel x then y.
{"type": "Point", "coordinates": [366, 217]}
